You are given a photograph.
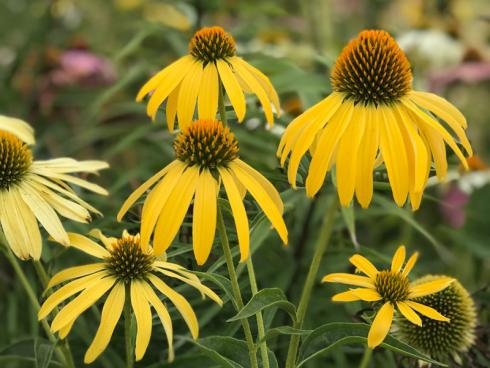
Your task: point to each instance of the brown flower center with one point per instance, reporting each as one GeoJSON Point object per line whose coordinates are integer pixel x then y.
{"type": "Point", "coordinates": [212, 43]}
{"type": "Point", "coordinates": [15, 160]}
{"type": "Point", "coordinates": [392, 286]}
{"type": "Point", "coordinates": [372, 69]}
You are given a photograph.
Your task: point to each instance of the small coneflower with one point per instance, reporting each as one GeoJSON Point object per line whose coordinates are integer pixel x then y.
{"type": "Point", "coordinates": [32, 191]}
{"type": "Point", "coordinates": [438, 339]}
{"type": "Point", "coordinates": [392, 289]}
{"type": "Point", "coordinates": [197, 77]}
{"type": "Point", "coordinates": [206, 155]}
{"type": "Point", "coordinates": [373, 117]}
{"type": "Point", "coordinates": [128, 272]}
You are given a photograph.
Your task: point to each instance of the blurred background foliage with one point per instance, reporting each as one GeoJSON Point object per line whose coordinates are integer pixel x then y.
{"type": "Point", "coordinates": [72, 69]}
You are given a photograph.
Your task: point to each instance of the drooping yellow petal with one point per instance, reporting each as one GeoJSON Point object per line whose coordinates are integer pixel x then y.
{"type": "Point", "coordinates": [347, 278]}
{"type": "Point", "coordinates": [180, 303]}
{"type": "Point", "coordinates": [17, 127]}
{"type": "Point", "coordinates": [174, 210]}
{"type": "Point", "coordinates": [366, 156]}
{"type": "Point", "coordinates": [44, 213]}
{"type": "Point", "coordinates": [232, 87]}
{"type": "Point", "coordinates": [155, 201]}
{"type": "Point", "coordinates": [157, 79]}
{"type": "Point", "coordinates": [66, 165]}
{"type": "Point", "coordinates": [395, 156]}
{"type": "Point", "coordinates": [430, 287]}
{"type": "Point", "coordinates": [368, 295]}
{"type": "Point", "coordinates": [323, 159]}
{"type": "Point", "coordinates": [255, 86]}
{"type": "Point", "coordinates": [141, 189]}
{"type": "Point", "coordinates": [66, 291]}
{"type": "Point", "coordinates": [53, 175]}
{"type": "Point", "coordinates": [204, 221]}
{"type": "Point", "coordinates": [86, 245]}
{"type": "Point", "coordinates": [63, 332]}
{"type": "Point", "coordinates": [398, 259]}
{"type": "Point", "coordinates": [346, 296]}
{"type": "Point", "coordinates": [347, 155]}
{"type": "Point", "coordinates": [408, 313]}
{"type": "Point", "coordinates": [19, 225]}
{"type": "Point", "coordinates": [111, 313]}
{"type": "Point", "coordinates": [164, 316]}
{"type": "Point", "coordinates": [381, 325]}
{"type": "Point", "coordinates": [171, 108]}
{"type": "Point", "coordinates": [418, 156]}
{"type": "Point", "coordinates": [265, 202]}
{"type": "Point", "coordinates": [207, 103]}
{"type": "Point", "coordinates": [427, 311]}
{"type": "Point", "coordinates": [83, 301]}
{"type": "Point", "coordinates": [266, 184]}
{"type": "Point", "coordinates": [333, 119]}
{"type": "Point", "coordinates": [264, 80]}
{"type": "Point", "coordinates": [410, 263]}
{"type": "Point", "coordinates": [364, 265]}
{"type": "Point", "coordinates": [188, 91]}
{"type": "Point", "coordinates": [449, 114]}
{"type": "Point", "coordinates": [73, 273]}
{"type": "Point", "coordinates": [239, 213]}
{"type": "Point", "coordinates": [143, 316]}
{"type": "Point", "coordinates": [166, 85]}
{"type": "Point", "coordinates": [423, 118]}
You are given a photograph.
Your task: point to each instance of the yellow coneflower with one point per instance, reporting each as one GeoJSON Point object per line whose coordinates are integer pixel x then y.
{"type": "Point", "coordinates": [206, 155]}
{"type": "Point", "coordinates": [32, 191]}
{"type": "Point", "coordinates": [373, 117]}
{"type": "Point", "coordinates": [437, 339]}
{"type": "Point", "coordinates": [391, 288]}
{"type": "Point", "coordinates": [126, 270]}
{"type": "Point", "coordinates": [211, 62]}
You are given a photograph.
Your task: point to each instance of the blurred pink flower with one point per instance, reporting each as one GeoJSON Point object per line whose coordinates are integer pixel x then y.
{"type": "Point", "coordinates": [453, 204]}
{"type": "Point", "coordinates": [84, 68]}
{"type": "Point", "coordinates": [469, 72]}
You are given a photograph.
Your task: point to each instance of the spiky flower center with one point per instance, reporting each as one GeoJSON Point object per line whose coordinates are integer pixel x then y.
{"type": "Point", "coordinates": [206, 143]}
{"type": "Point", "coordinates": [441, 339]}
{"type": "Point", "coordinates": [372, 69]}
{"type": "Point", "coordinates": [127, 260]}
{"type": "Point", "coordinates": [15, 160]}
{"type": "Point", "coordinates": [212, 43]}
{"type": "Point", "coordinates": [392, 286]}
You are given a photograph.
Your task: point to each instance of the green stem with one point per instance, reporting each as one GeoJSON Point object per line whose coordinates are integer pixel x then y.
{"type": "Point", "coordinates": [260, 320]}
{"type": "Point", "coordinates": [221, 105]}
{"type": "Point", "coordinates": [44, 277]}
{"type": "Point", "coordinates": [236, 288]}
{"type": "Point", "coordinates": [61, 352]}
{"type": "Point", "coordinates": [127, 332]}
{"type": "Point", "coordinates": [320, 248]}
{"type": "Point", "coordinates": [366, 357]}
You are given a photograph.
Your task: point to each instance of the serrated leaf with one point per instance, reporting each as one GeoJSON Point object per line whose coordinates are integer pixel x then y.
{"type": "Point", "coordinates": [266, 298]}
{"type": "Point", "coordinates": [326, 337]}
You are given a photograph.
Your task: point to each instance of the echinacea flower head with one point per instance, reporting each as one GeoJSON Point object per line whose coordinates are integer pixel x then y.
{"type": "Point", "coordinates": [127, 272]}
{"type": "Point", "coordinates": [196, 78]}
{"type": "Point", "coordinates": [373, 117]}
{"type": "Point", "coordinates": [392, 289]}
{"type": "Point", "coordinates": [206, 156]}
{"type": "Point", "coordinates": [438, 339]}
{"type": "Point", "coordinates": [32, 191]}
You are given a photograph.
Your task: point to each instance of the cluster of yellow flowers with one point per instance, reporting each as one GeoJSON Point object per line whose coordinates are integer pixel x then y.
{"type": "Point", "coordinates": [373, 117]}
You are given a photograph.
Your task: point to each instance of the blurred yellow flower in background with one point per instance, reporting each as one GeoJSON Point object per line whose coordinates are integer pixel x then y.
{"type": "Point", "coordinates": [374, 117]}
{"type": "Point", "coordinates": [197, 78]}
{"type": "Point", "coordinates": [207, 154]}
{"type": "Point", "coordinates": [126, 271]}
{"type": "Point", "coordinates": [391, 288]}
{"type": "Point", "coordinates": [32, 191]}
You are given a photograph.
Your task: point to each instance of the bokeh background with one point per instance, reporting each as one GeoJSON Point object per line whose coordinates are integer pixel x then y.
{"type": "Point", "coordinates": [72, 69]}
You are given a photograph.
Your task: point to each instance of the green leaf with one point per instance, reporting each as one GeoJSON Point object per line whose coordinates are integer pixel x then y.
{"type": "Point", "coordinates": [266, 298]}
{"type": "Point", "coordinates": [350, 221]}
{"type": "Point", "coordinates": [218, 280]}
{"type": "Point", "coordinates": [326, 337]}
{"type": "Point", "coordinates": [284, 330]}
{"type": "Point", "coordinates": [43, 354]}
{"type": "Point", "coordinates": [227, 351]}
